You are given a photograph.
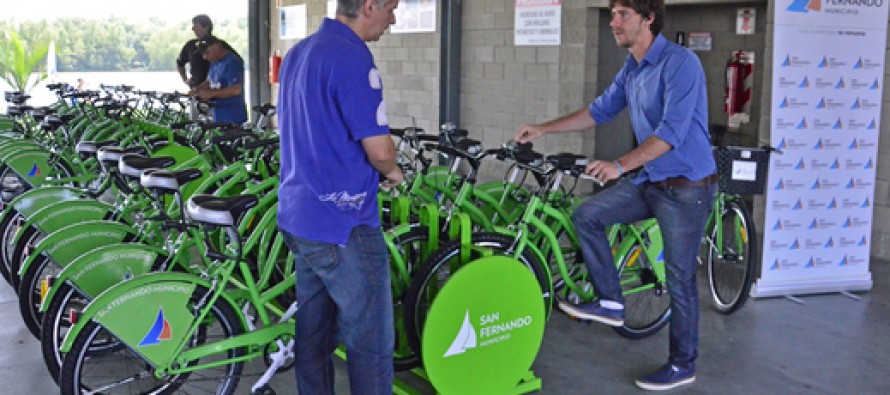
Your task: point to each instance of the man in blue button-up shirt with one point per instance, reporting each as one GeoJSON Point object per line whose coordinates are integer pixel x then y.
{"type": "Point", "coordinates": [663, 86]}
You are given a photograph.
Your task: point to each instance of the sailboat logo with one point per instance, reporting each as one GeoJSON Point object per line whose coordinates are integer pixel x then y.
{"type": "Point", "coordinates": [465, 339]}
{"type": "Point", "coordinates": [159, 331]}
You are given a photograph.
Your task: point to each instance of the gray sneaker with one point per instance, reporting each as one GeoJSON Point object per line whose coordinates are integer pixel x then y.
{"type": "Point", "coordinates": [595, 312]}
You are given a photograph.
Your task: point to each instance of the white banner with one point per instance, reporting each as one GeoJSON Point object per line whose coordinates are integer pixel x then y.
{"type": "Point", "coordinates": [538, 22]}
{"type": "Point", "coordinates": [828, 73]}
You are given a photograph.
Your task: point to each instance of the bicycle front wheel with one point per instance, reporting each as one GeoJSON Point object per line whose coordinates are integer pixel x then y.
{"type": "Point", "coordinates": [731, 264]}
{"type": "Point", "coordinates": [88, 368]}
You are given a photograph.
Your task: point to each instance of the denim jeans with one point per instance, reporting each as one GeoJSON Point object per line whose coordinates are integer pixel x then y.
{"type": "Point", "coordinates": [681, 214]}
{"type": "Point", "coordinates": [344, 295]}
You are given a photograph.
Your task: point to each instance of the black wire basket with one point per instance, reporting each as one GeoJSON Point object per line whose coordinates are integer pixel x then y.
{"type": "Point", "coordinates": [742, 170]}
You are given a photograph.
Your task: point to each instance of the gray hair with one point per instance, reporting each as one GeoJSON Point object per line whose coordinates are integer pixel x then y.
{"type": "Point", "coordinates": [349, 8]}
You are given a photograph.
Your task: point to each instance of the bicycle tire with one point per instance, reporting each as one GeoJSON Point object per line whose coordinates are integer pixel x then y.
{"type": "Point", "coordinates": [79, 360]}
{"type": "Point", "coordinates": [56, 321]}
{"type": "Point", "coordinates": [730, 276]}
{"type": "Point", "coordinates": [645, 311]}
{"type": "Point", "coordinates": [30, 292]}
{"type": "Point", "coordinates": [7, 229]}
{"type": "Point", "coordinates": [404, 356]}
{"type": "Point", "coordinates": [419, 296]}
{"type": "Point", "coordinates": [30, 237]}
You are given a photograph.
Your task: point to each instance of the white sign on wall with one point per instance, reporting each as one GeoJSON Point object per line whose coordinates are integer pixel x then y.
{"type": "Point", "coordinates": [415, 16]}
{"type": "Point", "coordinates": [828, 74]}
{"type": "Point", "coordinates": [538, 22]}
{"type": "Point", "coordinates": [293, 21]}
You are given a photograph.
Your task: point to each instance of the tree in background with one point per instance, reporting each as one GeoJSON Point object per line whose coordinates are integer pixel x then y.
{"type": "Point", "coordinates": [113, 44]}
{"type": "Point", "coordinates": [19, 59]}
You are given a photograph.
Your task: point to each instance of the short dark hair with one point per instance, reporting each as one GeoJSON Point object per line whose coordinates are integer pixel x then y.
{"type": "Point", "coordinates": [646, 8]}
{"type": "Point", "coordinates": [204, 20]}
{"type": "Point", "coordinates": [349, 8]}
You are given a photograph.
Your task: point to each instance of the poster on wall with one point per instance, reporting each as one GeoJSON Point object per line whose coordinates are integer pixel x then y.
{"type": "Point", "coordinates": [828, 75]}
{"type": "Point", "coordinates": [332, 9]}
{"type": "Point", "coordinates": [538, 22]}
{"type": "Point", "coordinates": [415, 16]}
{"type": "Point", "coordinates": [293, 22]}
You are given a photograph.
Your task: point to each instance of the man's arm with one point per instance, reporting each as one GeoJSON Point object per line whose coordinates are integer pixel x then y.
{"type": "Point", "coordinates": [381, 152]}
{"type": "Point", "coordinates": [181, 71]}
{"type": "Point", "coordinates": [577, 121]}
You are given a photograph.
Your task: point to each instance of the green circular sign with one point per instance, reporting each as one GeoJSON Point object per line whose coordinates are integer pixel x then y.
{"type": "Point", "coordinates": [484, 328]}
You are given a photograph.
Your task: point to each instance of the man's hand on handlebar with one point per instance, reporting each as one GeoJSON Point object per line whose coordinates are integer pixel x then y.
{"type": "Point", "coordinates": [393, 178]}
{"type": "Point", "coordinates": [528, 133]}
{"type": "Point", "coordinates": [602, 170]}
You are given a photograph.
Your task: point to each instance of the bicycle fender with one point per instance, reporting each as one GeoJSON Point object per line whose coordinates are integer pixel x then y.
{"type": "Point", "coordinates": [35, 199]}
{"type": "Point", "coordinates": [66, 244]}
{"type": "Point", "coordinates": [103, 267]}
{"type": "Point", "coordinates": [31, 165]}
{"type": "Point", "coordinates": [149, 313]}
{"type": "Point", "coordinates": [58, 215]}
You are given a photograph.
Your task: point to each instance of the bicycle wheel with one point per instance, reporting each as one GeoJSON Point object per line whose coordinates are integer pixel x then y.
{"type": "Point", "coordinates": [9, 225]}
{"type": "Point", "coordinates": [647, 304]}
{"type": "Point", "coordinates": [411, 248]}
{"type": "Point", "coordinates": [731, 265]}
{"type": "Point", "coordinates": [29, 239]}
{"type": "Point", "coordinates": [436, 271]}
{"type": "Point", "coordinates": [121, 370]}
{"type": "Point", "coordinates": [62, 310]}
{"type": "Point", "coordinates": [30, 291]}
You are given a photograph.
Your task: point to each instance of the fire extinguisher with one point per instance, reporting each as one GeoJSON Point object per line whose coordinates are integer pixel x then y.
{"type": "Point", "coordinates": [274, 66]}
{"type": "Point", "coordinates": [737, 91]}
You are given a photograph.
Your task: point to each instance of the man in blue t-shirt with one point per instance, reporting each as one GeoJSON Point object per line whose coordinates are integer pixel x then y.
{"type": "Point", "coordinates": [335, 144]}
{"type": "Point", "coordinates": [225, 82]}
{"type": "Point", "coordinates": [663, 87]}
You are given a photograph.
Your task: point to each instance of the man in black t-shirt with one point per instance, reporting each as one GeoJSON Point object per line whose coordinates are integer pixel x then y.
{"type": "Point", "coordinates": [191, 53]}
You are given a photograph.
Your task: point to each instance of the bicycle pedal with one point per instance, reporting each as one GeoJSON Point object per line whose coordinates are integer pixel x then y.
{"type": "Point", "coordinates": [264, 390]}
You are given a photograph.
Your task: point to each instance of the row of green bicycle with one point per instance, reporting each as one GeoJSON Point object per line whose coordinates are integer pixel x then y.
{"type": "Point", "coordinates": [196, 325]}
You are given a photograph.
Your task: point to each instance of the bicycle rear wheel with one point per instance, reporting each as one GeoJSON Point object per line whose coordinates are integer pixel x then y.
{"type": "Point", "coordinates": [647, 304]}
{"type": "Point", "coordinates": [121, 370]}
{"type": "Point", "coordinates": [731, 264]}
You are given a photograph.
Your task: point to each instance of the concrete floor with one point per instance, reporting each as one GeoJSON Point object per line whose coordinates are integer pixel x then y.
{"type": "Point", "coordinates": [830, 344]}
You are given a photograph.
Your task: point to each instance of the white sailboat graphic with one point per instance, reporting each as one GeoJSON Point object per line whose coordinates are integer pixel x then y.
{"type": "Point", "coordinates": [466, 338]}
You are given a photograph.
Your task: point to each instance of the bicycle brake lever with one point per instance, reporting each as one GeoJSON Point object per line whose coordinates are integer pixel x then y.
{"type": "Point", "coordinates": [591, 178]}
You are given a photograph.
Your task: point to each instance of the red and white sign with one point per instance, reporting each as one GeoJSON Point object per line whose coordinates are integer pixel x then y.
{"type": "Point", "coordinates": [744, 21]}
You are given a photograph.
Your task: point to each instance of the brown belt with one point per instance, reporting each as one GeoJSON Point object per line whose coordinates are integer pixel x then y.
{"type": "Point", "coordinates": [683, 182]}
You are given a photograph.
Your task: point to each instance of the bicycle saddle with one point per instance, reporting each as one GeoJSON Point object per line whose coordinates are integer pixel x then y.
{"type": "Point", "coordinates": [219, 211]}
{"type": "Point", "coordinates": [90, 147]}
{"type": "Point", "coordinates": [132, 165]}
{"type": "Point", "coordinates": [110, 155]}
{"type": "Point", "coordinates": [166, 181]}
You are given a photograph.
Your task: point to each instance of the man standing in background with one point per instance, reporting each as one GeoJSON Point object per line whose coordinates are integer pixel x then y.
{"type": "Point", "coordinates": [191, 55]}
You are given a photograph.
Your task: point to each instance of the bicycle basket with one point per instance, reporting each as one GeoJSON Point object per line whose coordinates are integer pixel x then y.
{"type": "Point", "coordinates": [742, 170]}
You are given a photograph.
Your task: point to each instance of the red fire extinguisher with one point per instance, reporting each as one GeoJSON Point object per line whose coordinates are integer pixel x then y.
{"type": "Point", "coordinates": [274, 65]}
{"type": "Point", "coordinates": [738, 89]}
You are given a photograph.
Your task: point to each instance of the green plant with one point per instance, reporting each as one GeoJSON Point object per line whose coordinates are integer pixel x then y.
{"type": "Point", "coordinates": [18, 62]}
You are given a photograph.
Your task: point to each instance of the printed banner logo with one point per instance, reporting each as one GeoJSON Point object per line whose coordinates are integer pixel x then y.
{"type": "Point", "coordinates": [805, 6]}
{"type": "Point", "coordinates": [159, 331]}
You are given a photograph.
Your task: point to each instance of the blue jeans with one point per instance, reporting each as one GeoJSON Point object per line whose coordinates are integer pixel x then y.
{"type": "Point", "coordinates": [344, 295]}
{"type": "Point", "coordinates": [681, 214]}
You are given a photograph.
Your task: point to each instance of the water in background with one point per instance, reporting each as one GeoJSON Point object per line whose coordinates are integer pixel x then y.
{"type": "Point", "coordinates": [159, 81]}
